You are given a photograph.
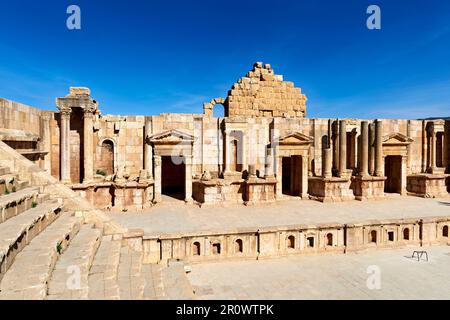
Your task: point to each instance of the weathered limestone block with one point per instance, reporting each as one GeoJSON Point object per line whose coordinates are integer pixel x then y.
{"type": "Point", "coordinates": [427, 185]}
{"type": "Point", "coordinates": [368, 187]}
{"type": "Point", "coordinates": [330, 189]}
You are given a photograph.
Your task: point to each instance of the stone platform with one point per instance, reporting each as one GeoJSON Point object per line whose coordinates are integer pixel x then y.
{"type": "Point", "coordinates": [175, 217]}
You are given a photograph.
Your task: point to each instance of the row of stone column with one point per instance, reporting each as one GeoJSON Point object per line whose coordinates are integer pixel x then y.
{"type": "Point", "coordinates": [327, 157]}
{"type": "Point", "coordinates": [88, 143]}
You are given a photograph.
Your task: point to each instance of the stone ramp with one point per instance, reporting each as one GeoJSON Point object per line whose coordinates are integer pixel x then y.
{"type": "Point", "coordinates": [75, 261]}
{"type": "Point", "coordinates": [20, 230]}
{"type": "Point", "coordinates": [102, 279]}
{"type": "Point", "coordinates": [27, 278]}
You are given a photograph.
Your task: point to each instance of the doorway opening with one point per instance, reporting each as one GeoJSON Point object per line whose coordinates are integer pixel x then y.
{"type": "Point", "coordinates": [173, 177]}
{"type": "Point", "coordinates": [393, 173]}
{"type": "Point", "coordinates": [292, 175]}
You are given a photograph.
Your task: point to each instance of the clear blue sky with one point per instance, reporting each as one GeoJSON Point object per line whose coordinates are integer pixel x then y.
{"type": "Point", "coordinates": [148, 57]}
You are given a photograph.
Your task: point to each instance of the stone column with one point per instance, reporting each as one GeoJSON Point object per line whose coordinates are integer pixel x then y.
{"type": "Point", "coordinates": [65, 145]}
{"type": "Point", "coordinates": [244, 152]}
{"type": "Point", "coordinates": [304, 191]}
{"type": "Point", "coordinates": [327, 163]}
{"type": "Point", "coordinates": [364, 161]}
{"type": "Point", "coordinates": [88, 141]}
{"type": "Point", "coordinates": [404, 178]}
{"type": "Point", "coordinates": [342, 148]}
{"type": "Point", "coordinates": [269, 163]}
{"type": "Point", "coordinates": [157, 180]}
{"type": "Point", "coordinates": [371, 149]}
{"type": "Point", "coordinates": [188, 179]}
{"type": "Point", "coordinates": [46, 141]}
{"type": "Point", "coordinates": [227, 161]}
{"type": "Point", "coordinates": [379, 148]}
{"type": "Point", "coordinates": [335, 135]}
{"type": "Point", "coordinates": [279, 187]}
{"type": "Point", "coordinates": [432, 139]}
{"type": "Point", "coordinates": [446, 146]}
{"type": "Point", "coordinates": [148, 149]}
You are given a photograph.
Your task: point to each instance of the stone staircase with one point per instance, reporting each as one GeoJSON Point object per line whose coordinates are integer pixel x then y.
{"type": "Point", "coordinates": [49, 252]}
{"type": "Point", "coordinates": [35, 231]}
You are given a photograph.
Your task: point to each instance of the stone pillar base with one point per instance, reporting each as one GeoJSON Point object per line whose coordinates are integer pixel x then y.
{"type": "Point", "coordinates": [330, 189]}
{"type": "Point", "coordinates": [368, 187]}
{"type": "Point", "coordinates": [427, 185]}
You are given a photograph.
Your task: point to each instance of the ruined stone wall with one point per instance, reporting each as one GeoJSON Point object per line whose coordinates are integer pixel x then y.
{"type": "Point", "coordinates": [262, 93]}
{"type": "Point", "coordinates": [17, 116]}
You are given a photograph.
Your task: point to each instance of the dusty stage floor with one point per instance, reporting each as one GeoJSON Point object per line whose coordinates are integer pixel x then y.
{"type": "Point", "coordinates": [177, 217]}
{"type": "Point", "coordinates": [328, 277]}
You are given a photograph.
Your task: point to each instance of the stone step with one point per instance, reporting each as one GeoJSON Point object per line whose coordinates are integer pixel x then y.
{"type": "Point", "coordinates": [18, 231]}
{"type": "Point", "coordinates": [15, 203]}
{"type": "Point", "coordinates": [4, 170]}
{"type": "Point", "coordinates": [7, 183]}
{"type": "Point", "coordinates": [153, 282]}
{"type": "Point", "coordinates": [27, 278]}
{"type": "Point", "coordinates": [102, 280]}
{"type": "Point", "coordinates": [75, 261]}
{"type": "Point", "coordinates": [130, 278]}
{"type": "Point", "coordinates": [176, 284]}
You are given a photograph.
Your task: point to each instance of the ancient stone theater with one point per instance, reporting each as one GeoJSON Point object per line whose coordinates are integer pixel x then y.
{"type": "Point", "coordinates": [72, 180]}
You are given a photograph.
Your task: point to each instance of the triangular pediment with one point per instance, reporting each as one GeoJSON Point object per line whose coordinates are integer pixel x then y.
{"type": "Point", "coordinates": [295, 138]}
{"type": "Point", "coordinates": [397, 138]}
{"type": "Point", "coordinates": [171, 137]}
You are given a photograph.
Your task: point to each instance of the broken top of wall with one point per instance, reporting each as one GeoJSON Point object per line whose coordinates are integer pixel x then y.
{"type": "Point", "coordinates": [78, 97]}
{"type": "Point", "coordinates": [262, 93]}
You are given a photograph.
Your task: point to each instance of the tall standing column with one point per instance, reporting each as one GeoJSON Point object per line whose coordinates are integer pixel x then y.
{"type": "Point", "coordinates": [327, 163]}
{"type": "Point", "coordinates": [432, 148]}
{"type": "Point", "coordinates": [88, 146]}
{"type": "Point", "coordinates": [342, 148]}
{"type": "Point", "coordinates": [269, 163]}
{"type": "Point", "coordinates": [157, 181]}
{"type": "Point", "coordinates": [371, 149]}
{"type": "Point", "coordinates": [188, 179]}
{"type": "Point", "coordinates": [148, 150]}
{"type": "Point", "coordinates": [446, 146]}
{"type": "Point", "coordinates": [227, 151]}
{"type": "Point", "coordinates": [65, 145]}
{"type": "Point", "coordinates": [379, 148]}
{"type": "Point", "coordinates": [304, 191]}
{"type": "Point", "coordinates": [335, 135]}
{"type": "Point", "coordinates": [46, 141]}
{"type": "Point", "coordinates": [364, 162]}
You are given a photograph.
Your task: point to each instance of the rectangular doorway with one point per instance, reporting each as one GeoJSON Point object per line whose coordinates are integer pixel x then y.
{"type": "Point", "coordinates": [292, 175]}
{"type": "Point", "coordinates": [393, 173]}
{"type": "Point", "coordinates": [173, 177]}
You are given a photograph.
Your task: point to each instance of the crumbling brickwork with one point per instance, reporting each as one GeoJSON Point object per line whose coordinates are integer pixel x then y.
{"type": "Point", "coordinates": [262, 93]}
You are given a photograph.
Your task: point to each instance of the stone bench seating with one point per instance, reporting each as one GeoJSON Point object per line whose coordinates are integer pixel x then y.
{"type": "Point", "coordinates": [80, 253]}
{"type": "Point", "coordinates": [15, 203]}
{"type": "Point", "coordinates": [18, 231]}
{"type": "Point", "coordinates": [4, 170]}
{"type": "Point", "coordinates": [32, 268]}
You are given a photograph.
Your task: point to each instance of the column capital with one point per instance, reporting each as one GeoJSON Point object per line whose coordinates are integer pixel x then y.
{"type": "Point", "coordinates": [65, 112]}
{"type": "Point", "coordinates": [46, 116]}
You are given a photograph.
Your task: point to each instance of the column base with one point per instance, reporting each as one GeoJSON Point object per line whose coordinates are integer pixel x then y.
{"type": "Point", "coordinates": [330, 189]}
{"type": "Point", "coordinates": [368, 188]}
